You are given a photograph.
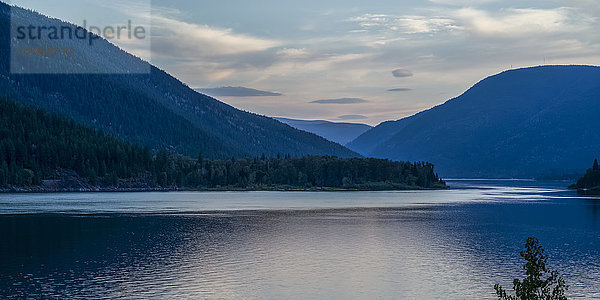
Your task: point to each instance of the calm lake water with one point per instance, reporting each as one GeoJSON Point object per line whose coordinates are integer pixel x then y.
{"type": "Point", "coordinates": [452, 244]}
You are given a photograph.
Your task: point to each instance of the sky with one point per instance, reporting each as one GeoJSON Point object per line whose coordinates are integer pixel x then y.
{"type": "Point", "coordinates": [347, 60]}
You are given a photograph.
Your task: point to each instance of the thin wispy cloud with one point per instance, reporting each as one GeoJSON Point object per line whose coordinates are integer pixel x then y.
{"type": "Point", "coordinates": [185, 40]}
{"type": "Point", "coordinates": [462, 2]}
{"type": "Point", "coordinates": [400, 73]}
{"type": "Point", "coordinates": [340, 101]}
{"type": "Point", "coordinates": [405, 24]}
{"type": "Point", "coordinates": [237, 91]}
{"type": "Point", "coordinates": [513, 22]}
{"type": "Point", "coordinates": [400, 90]}
{"type": "Point", "coordinates": [352, 117]}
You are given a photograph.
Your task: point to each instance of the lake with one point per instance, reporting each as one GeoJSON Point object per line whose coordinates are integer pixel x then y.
{"type": "Point", "coordinates": [453, 244]}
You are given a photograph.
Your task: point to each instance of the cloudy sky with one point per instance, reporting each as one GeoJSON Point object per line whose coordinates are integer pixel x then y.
{"type": "Point", "coordinates": [352, 60]}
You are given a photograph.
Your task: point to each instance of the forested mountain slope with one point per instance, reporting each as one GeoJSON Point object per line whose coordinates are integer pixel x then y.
{"type": "Point", "coordinates": [152, 109]}
{"type": "Point", "coordinates": [533, 122]}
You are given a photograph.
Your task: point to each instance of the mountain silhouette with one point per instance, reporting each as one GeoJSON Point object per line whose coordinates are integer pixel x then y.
{"type": "Point", "coordinates": [532, 122]}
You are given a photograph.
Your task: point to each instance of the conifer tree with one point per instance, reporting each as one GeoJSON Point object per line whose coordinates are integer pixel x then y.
{"type": "Point", "coordinates": [540, 282]}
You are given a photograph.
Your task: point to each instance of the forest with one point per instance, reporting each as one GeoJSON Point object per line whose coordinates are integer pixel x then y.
{"type": "Point", "coordinates": [36, 146]}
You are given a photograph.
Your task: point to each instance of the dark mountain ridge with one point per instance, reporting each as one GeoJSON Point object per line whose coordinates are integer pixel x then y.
{"type": "Point", "coordinates": [152, 109]}
{"type": "Point", "coordinates": [531, 122]}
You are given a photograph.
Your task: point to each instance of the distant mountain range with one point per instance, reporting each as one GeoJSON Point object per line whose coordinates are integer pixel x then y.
{"type": "Point", "coordinates": [152, 109]}
{"type": "Point", "coordinates": [533, 122]}
{"type": "Point", "coordinates": [341, 133]}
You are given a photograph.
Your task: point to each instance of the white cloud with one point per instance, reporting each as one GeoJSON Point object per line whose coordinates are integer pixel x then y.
{"type": "Point", "coordinates": [403, 24]}
{"type": "Point", "coordinates": [293, 53]}
{"type": "Point", "coordinates": [461, 2]}
{"type": "Point", "coordinates": [420, 24]}
{"type": "Point", "coordinates": [312, 62]}
{"type": "Point", "coordinates": [187, 40]}
{"type": "Point", "coordinates": [514, 22]}
{"type": "Point", "coordinates": [510, 21]}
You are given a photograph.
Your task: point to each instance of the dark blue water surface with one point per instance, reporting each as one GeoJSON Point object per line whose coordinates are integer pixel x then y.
{"type": "Point", "coordinates": [272, 245]}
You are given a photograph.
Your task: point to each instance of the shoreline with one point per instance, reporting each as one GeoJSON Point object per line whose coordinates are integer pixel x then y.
{"type": "Point", "coordinates": [38, 190]}
{"type": "Point", "coordinates": [589, 192]}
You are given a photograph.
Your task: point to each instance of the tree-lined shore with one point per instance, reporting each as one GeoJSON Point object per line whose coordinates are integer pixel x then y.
{"type": "Point", "coordinates": [589, 184]}
{"type": "Point", "coordinates": [44, 152]}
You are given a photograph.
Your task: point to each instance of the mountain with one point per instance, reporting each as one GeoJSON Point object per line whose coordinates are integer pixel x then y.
{"type": "Point", "coordinates": [45, 152]}
{"type": "Point", "coordinates": [532, 122]}
{"type": "Point", "coordinates": [152, 109]}
{"type": "Point", "coordinates": [341, 133]}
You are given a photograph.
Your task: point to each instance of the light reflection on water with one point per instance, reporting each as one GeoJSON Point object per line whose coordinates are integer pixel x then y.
{"type": "Point", "coordinates": [401, 245]}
